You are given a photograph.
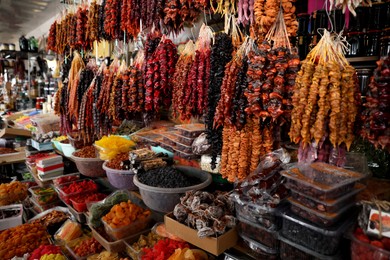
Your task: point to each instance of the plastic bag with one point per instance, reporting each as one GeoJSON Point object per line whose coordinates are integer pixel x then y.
{"type": "Point", "coordinates": [265, 186]}
{"type": "Point", "coordinates": [112, 145]}
{"type": "Point", "coordinates": [201, 145]}
{"type": "Point", "coordinates": [69, 231]}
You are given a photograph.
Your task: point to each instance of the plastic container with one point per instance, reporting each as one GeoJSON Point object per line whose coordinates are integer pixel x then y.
{"type": "Point", "coordinates": [66, 179]}
{"type": "Point", "coordinates": [79, 216]}
{"type": "Point", "coordinates": [165, 199]}
{"type": "Point", "coordinates": [12, 221]}
{"type": "Point", "coordinates": [57, 145]}
{"type": "Point", "coordinates": [258, 233]}
{"type": "Point", "coordinates": [320, 240]}
{"type": "Point", "coordinates": [126, 231]}
{"type": "Point", "coordinates": [327, 206]}
{"type": "Point", "coordinates": [91, 167]}
{"type": "Point", "coordinates": [262, 251]}
{"type": "Point", "coordinates": [43, 196]}
{"type": "Point", "coordinates": [170, 139]}
{"type": "Point", "coordinates": [190, 130]}
{"type": "Point", "coordinates": [67, 196]}
{"type": "Point", "coordinates": [120, 179]}
{"type": "Point", "coordinates": [182, 139]}
{"type": "Point", "coordinates": [266, 217]}
{"type": "Point", "coordinates": [42, 146]}
{"type": "Point", "coordinates": [41, 208]}
{"type": "Point", "coordinates": [292, 251]}
{"type": "Point", "coordinates": [188, 156]}
{"type": "Point", "coordinates": [113, 245]}
{"type": "Point", "coordinates": [81, 206]}
{"type": "Point", "coordinates": [130, 250]}
{"type": "Point", "coordinates": [74, 255]}
{"type": "Point", "coordinates": [319, 218]}
{"type": "Point", "coordinates": [359, 248]}
{"type": "Point", "coordinates": [67, 149]}
{"type": "Point", "coordinates": [322, 180]}
{"type": "Point", "coordinates": [184, 148]}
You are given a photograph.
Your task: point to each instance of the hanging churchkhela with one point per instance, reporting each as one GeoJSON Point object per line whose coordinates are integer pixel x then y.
{"type": "Point", "coordinates": [221, 54]}
{"type": "Point", "coordinates": [324, 90]}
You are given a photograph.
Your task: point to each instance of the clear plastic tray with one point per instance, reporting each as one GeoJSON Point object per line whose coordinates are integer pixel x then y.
{"type": "Point", "coordinates": [330, 205]}
{"type": "Point", "coordinates": [321, 180]}
{"type": "Point", "coordinates": [66, 179]}
{"type": "Point", "coordinates": [48, 196]}
{"type": "Point", "coordinates": [126, 231]}
{"type": "Point", "coordinates": [186, 155]}
{"type": "Point", "coordinates": [320, 240]}
{"type": "Point", "coordinates": [264, 216]}
{"type": "Point", "coordinates": [13, 221]}
{"type": "Point", "coordinates": [184, 148]}
{"type": "Point", "coordinates": [130, 250]}
{"type": "Point", "coordinates": [113, 245]}
{"type": "Point", "coordinates": [41, 208]}
{"type": "Point", "coordinates": [182, 139]}
{"type": "Point", "coordinates": [258, 233]}
{"type": "Point", "coordinates": [190, 130]}
{"type": "Point", "coordinates": [325, 219]}
{"type": "Point", "coordinates": [292, 251]}
{"type": "Point", "coordinates": [370, 252]}
{"type": "Point", "coordinates": [260, 248]}
{"type": "Point", "coordinates": [67, 196]}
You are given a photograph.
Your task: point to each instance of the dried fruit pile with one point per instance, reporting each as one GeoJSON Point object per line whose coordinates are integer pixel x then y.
{"type": "Point", "coordinates": [211, 214]}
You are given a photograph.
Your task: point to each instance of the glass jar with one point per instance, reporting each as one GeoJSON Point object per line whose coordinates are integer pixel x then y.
{"type": "Point", "coordinates": [371, 43]}
{"type": "Point", "coordinates": [356, 41]}
{"type": "Point", "coordinates": [364, 79]}
{"type": "Point", "coordinates": [384, 46]}
{"type": "Point", "coordinates": [359, 23]}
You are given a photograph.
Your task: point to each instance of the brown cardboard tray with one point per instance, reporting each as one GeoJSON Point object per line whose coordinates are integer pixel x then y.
{"type": "Point", "coordinates": [213, 245]}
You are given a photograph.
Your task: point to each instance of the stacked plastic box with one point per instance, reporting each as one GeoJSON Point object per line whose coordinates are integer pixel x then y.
{"type": "Point", "coordinates": [50, 166]}
{"type": "Point", "coordinates": [322, 199]}
{"type": "Point", "coordinates": [180, 140]}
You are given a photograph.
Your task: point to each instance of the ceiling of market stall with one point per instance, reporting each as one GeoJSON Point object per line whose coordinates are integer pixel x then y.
{"type": "Point", "coordinates": [19, 17]}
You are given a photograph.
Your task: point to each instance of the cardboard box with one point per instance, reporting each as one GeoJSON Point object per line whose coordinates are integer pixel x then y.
{"type": "Point", "coordinates": [213, 245]}
{"type": "Point", "coordinates": [12, 133]}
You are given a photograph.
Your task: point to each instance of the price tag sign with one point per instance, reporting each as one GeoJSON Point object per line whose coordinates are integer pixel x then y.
{"type": "Point", "coordinates": [379, 223]}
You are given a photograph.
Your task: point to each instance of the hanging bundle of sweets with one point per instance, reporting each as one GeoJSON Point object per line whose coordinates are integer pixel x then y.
{"type": "Point", "coordinates": [271, 76]}
{"type": "Point", "coordinates": [325, 88]}
{"type": "Point", "coordinates": [266, 12]}
{"type": "Point", "coordinates": [221, 54]}
{"type": "Point", "coordinates": [133, 95]}
{"type": "Point", "coordinates": [180, 82]}
{"type": "Point", "coordinates": [191, 97]}
{"type": "Point", "coordinates": [160, 63]}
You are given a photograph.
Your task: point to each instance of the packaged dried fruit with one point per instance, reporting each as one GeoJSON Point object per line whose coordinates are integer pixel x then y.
{"type": "Point", "coordinates": [183, 139]}
{"type": "Point", "coordinates": [329, 205]}
{"type": "Point", "coordinates": [320, 240]}
{"type": "Point", "coordinates": [267, 217]}
{"type": "Point", "coordinates": [190, 130]}
{"type": "Point", "coordinates": [325, 219]}
{"type": "Point", "coordinates": [321, 180]}
{"type": "Point", "coordinates": [258, 233]}
{"type": "Point", "coordinates": [292, 251]}
{"type": "Point", "coordinates": [44, 196]}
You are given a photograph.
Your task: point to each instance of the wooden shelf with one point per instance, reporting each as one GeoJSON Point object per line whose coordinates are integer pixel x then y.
{"type": "Point", "coordinates": [362, 59]}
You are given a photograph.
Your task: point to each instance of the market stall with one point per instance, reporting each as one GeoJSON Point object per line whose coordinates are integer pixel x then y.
{"type": "Point", "coordinates": [256, 137]}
